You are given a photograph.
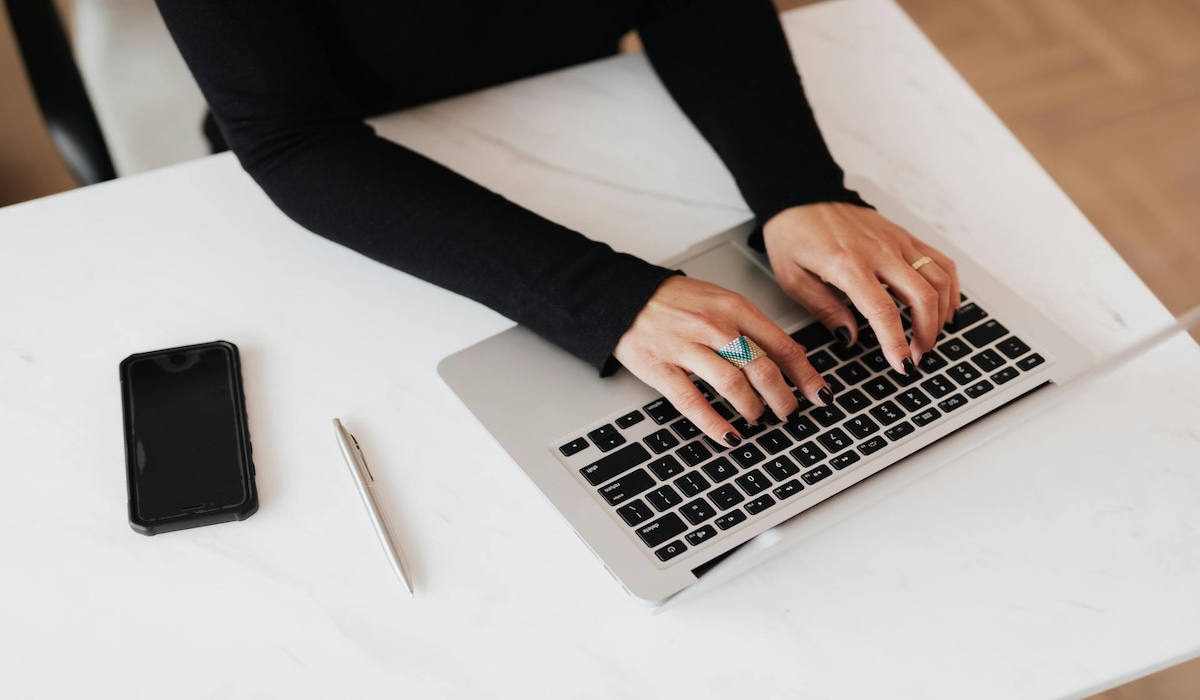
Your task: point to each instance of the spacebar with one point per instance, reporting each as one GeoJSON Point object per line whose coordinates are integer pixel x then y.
{"type": "Point", "coordinates": [616, 463]}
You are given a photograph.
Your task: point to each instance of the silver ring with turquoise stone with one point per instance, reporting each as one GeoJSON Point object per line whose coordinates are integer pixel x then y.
{"type": "Point", "coordinates": [741, 351]}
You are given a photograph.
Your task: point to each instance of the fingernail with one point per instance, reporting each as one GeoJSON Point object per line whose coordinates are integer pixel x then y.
{"type": "Point", "coordinates": [826, 395]}
{"type": "Point", "coordinates": [732, 439]}
{"type": "Point", "coordinates": [843, 336]}
{"type": "Point", "coordinates": [909, 368]}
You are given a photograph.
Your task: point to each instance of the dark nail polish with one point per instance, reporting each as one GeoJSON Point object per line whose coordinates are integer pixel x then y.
{"type": "Point", "coordinates": [826, 395]}
{"type": "Point", "coordinates": [909, 368]}
{"type": "Point", "coordinates": [843, 336]}
{"type": "Point", "coordinates": [732, 439]}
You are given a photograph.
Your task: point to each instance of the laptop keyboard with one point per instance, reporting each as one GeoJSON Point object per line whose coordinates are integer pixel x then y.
{"type": "Point", "coordinates": [675, 489]}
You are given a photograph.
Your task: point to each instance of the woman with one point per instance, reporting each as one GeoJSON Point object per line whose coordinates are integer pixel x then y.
{"type": "Point", "coordinates": [290, 82]}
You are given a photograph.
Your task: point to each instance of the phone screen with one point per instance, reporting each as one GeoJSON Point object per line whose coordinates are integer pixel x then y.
{"type": "Point", "coordinates": [185, 436]}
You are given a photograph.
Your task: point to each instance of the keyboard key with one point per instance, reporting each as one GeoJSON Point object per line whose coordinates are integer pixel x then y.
{"type": "Point", "coordinates": [774, 442]}
{"type": "Point", "coordinates": [635, 513]}
{"type": "Point", "coordinates": [685, 429]}
{"type": "Point", "coordinates": [1012, 347]}
{"type": "Point", "coordinates": [937, 386]}
{"type": "Point", "coordinates": [730, 519]}
{"type": "Point", "coordinates": [1030, 362]}
{"type": "Point", "coordinates": [988, 360]}
{"type": "Point", "coordinates": [759, 504]}
{"type": "Point", "coordinates": [853, 401]}
{"type": "Point", "coordinates": [665, 467]}
{"type": "Point", "coordinates": [875, 361]}
{"type": "Point", "coordinates": [904, 379]}
{"type": "Point", "coordinates": [926, 417]}
{"type": "Point", "coordinates": [815, 475]}
{"type": "Point", "coordinates": [715, 446]}
{"type": "Point", "coordinates": [801, 428]}
{"type": "Point", "coordinates": [781, 468]}
{"type": "Point", "coordinates": [966, 315]}
{"type": "Point", "coordinates": [663, 498]}
{"type": "Point", "coordinates": [822, 361]}
{"type": "Point", "coordinates": [630, 419]}
{"type": "Point", "coordinates": [744, 428]}
{"type": "Point", "coordinates": [887, 413]}
{"type": "Point", "coordinates": [843, 460]}
{"type": "Point", "coordinates": [860, 427]}
{"type": "Point", "coordinates": [852, 373]}
{"type": "Point", "coordinates": [701, 535]}
{"type": "Point", "coordinates": [913, 399]}
{"type": "Point", "coordinates": [844, 353]}
{"type": "Point", "coordinates": [661, 441]}
{"type": "Point", "coordinates": [661, 530]}
{"type": "Point", "coordinates": [835, 440]}
{"type": "Point", "coordinates": [931, 362]}
{"type": "Point", "coordinates": [670, 551]}
{"type": "Point", "coordinates": [788, 490]}
{"type": "Point", "coordinates": [722, 410]}
{"type": "Point", "coordinates": [807, 454]}
{"type": "Point", "coordinates": [875, 444]}
{"type": "Point", "coordinates": [698, 511]}
{"type": "Point", "coordinates": [963, 373]}
{"type": "Point", "coordinates": [705, 391]}
{"type": "Point", "coordinates": [813, 336]}
{"type": "Point", "coordinates": [627, 487]}
{"type": "Point", "coordinates": [835, 384]}
{"type": "Point", "coordinates": [573, 447]}
{"type": "Point", "coordinates": [616, 463]}
{"type": "Point", "coordinates": [955, 349]}
{"type": "Point", "coordinates": [879, 388]}
{"type": "Point", "coordinates": [977, 390]}
{"type": "Point", "coordinates": [1005, 375]}
{"type": "Point", "coordinates": [693, 453]}
{"type": "Point", "coordinates": [661, 411]}
{"type": "Point", "coordinates": [899, 430]}
{"type": "Point", "coordinates": [747, 455]}
{"type": "Point", "coordinates": [720, 469]}
{"type": "Point", "coordinates": [827, 415]}
{"type": "Point", "coordinates": [867, 338]}
{"type": "Point", "coordinates": [985, 333]}
{"type": "Point", "coordinates": [606, 438]}
{"type": "Point", "coordinates": [692, 484]}
{"type": "Point", "coordinates": [753, 482]}
{"type": "Point", "coordinates": [954, 402]}
{"type": "Point", "coordinates": [726, 497]}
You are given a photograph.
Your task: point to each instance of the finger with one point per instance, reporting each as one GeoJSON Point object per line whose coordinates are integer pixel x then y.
{"type": "Point", "coordinates": [874, 303]}
{"type": "Point", "coordinates": [946, 265]}
{"type": "Point", "coordinates": [677, 387]}
{"type": "Point", "coordinates": [941, 282]}
{"type": "Point", "coordinates": [921, 299]}
{"type": "Point", "coordinates": [787, 355]}
{"type": "Point", "coordinates": [726, 380]}
{"type": "Point", "coordinates": [817, 297]}
{"type": "Point", "coordinates": [767, 380]}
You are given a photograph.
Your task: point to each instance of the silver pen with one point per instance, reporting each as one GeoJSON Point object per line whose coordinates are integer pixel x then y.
{"type": "Point", "coordinates": [363, 478]}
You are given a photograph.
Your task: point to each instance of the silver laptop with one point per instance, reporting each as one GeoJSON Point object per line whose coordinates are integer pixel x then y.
{"type": "Point", "coordinates": [659, 504]}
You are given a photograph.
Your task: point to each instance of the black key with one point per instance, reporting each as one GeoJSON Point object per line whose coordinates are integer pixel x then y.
{"type": "Point", "coordinates": [899, 430]}
{"type": "Point", "coordinates": [631, 418]}
{"type": "Point", "coordinates": [954, 402]}
{"type": "Point", "coordinates": [627, 487]}
{"type": "Point", "coordinates": [852, 372]}
{"type": "Point", "coordinates": [988, 360]}
{"type": "Point", "coordinates": [827, 415]}
{"type": "Point", "coordinates": [904, 379]}
{"type": "Point", "coordinates": [744, 428]}
{"type": "Point", "coordinates": [966, 315]}
{"type": "Point", "coordinates": [875, 444]}
{"type": "Point", "coordinates": [931, 362]}
{"type": "Point", "coordinates": [1012, 347]}
{"type": "Point", "coordinates": [879, 388]}
{"type": "Point", "coordinates": [701, 535]}
{"type": "Point", "coordinates": [813, 336]}
{"type": "Point", "coordinates": [759, 504]}
{"type": "Point", "coordinates": [715, 446]}
{"type": "Point", "coordinates": [1030, 362]}
{"type": "Point", "coordinates": [685, 429]}
{"type": "Point", "coordinates": [616, 463]}
{"type": "Point", "coordinates": [868, 339]}
{"type": "Point", "coordinates": [661, 441]}
{"type": "Point", "coordinates": [955, 349]}
{"type": "Point", "coordinates": [822, 361]}
{"type": "Point", "coordinates": [719, 469]}
{"type": "Point", "coordinates": [835, 440]}
{"type": "Point", "coordinates": [663, 498]}
{"type": "Point", "coordinates": [963, 373]}
{"type": "Point", "coordinates": [844, 353]}
{"type": "Point", "coordinates": [843, 460]}
{"type": "Point", "coordinates": [661, 411]}
{"type": "Point", "coordinates": [665, 467]}
{"type": "Point", "coordinates": [1005, 375]}
{"type": "Point", "coordinates": [801, 427]}
{"type": "Point", "coordinates": [725, 497]}
{"type": "Point", "coordinates": [573, 446]}
{"type": "Point", "coordinates": [853, 401]}
{"type": "Point", "coordinates": [661, 530]}
{"type": "Point", "coordinates": [887, 413]}
{"type": "Point", "coordinates": [708, 394]}
{"type": "Point", "coordinates": [788, 490]}
{"type": "Point", "coordinates": [860, 427]}
{"type": "Point", "coordinates": [774, 442]}
{"type": "Point", "coordinates": [692, 484]}
{"type": "Point", "coordinates": [753, 482]}
{"type": "Point", "coordinates": [692, 453]}
{"type": "Point", "coordinates": [807, 454]}
{"type": "Point", "coordinates": [985, 333]}
{"type": "Point", "coordinates": [815, 475]}
{"type": "Point", "coordinates": [781, 468]}
{"type": "Point", "coordinates": [875, 361]}
{"type": "Point", "coordinates": [937, 386]}
{"type": "Point", "coordinates": [913, 399]}
{"type": "Point", "coordinates": [606, 437]}
{"type": "Point", "coordinates": [835, 385]}
{"type": "Point", "coordinates": [722, 410]}
{"type": "Point", "coordinates": [635, 512]}
{"type": "Point", "coordinates": [730, 519]}
{"type": "Point", "coordinates": [768, 417]}
{"type": "Point", "coordinates": [698, 511]}
{"type": "Point", "coordinates": [670, 551]}
{"type": "Point", "coordinates": [977, 390]}
{"type": "Point", "coordinates": [926, 417]}
{"type": "Point", "coordinates": [747, 455]}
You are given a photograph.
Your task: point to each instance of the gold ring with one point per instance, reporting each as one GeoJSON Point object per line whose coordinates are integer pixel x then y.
{"type": "Point", "coordinates": [922, 262]}
{"type": "Point", "coordinates": [741, 351]}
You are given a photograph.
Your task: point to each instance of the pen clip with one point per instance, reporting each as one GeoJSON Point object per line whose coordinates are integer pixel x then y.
{"type": "Point", "coordinates": [362, 457]}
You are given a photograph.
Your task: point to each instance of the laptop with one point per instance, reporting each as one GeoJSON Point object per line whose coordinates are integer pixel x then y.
{"type": "Point", "coordinates": [660, 504]}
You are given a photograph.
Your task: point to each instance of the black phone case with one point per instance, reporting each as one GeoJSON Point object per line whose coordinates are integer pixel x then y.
{"type": "Point", "coordinates": [198, 520]}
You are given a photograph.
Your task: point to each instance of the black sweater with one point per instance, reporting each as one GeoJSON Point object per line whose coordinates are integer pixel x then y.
{"type": "Point", "coordinates": [290, 82]}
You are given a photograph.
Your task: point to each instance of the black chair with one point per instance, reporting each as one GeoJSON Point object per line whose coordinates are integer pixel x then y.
{"type": "Point", "coordinates": [58, 87]}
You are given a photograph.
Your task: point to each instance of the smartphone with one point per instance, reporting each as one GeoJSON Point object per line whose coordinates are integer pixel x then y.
{"type": "Point", "coordinates": [187, 443]}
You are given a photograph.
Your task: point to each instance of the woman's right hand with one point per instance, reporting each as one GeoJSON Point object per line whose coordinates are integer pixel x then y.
{"type": "Point", "coordinates": [679, 332]}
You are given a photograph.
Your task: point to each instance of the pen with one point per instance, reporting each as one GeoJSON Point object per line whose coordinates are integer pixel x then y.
{"type": "Point", "coordinates": [363, 478]}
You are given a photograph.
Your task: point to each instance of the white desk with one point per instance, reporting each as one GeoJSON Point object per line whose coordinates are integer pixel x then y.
{"type": "Point", "coordinates": [1060, 560]}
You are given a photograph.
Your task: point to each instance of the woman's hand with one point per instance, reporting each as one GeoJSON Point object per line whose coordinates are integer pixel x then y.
{"type": "Point", "coordinates": [680, 330]}
{"type": "Point", "coordinates": [858, 250]}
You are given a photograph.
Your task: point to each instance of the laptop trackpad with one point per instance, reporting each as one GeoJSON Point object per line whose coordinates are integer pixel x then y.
{"type": "Point", "coordinates": [735, 266]}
